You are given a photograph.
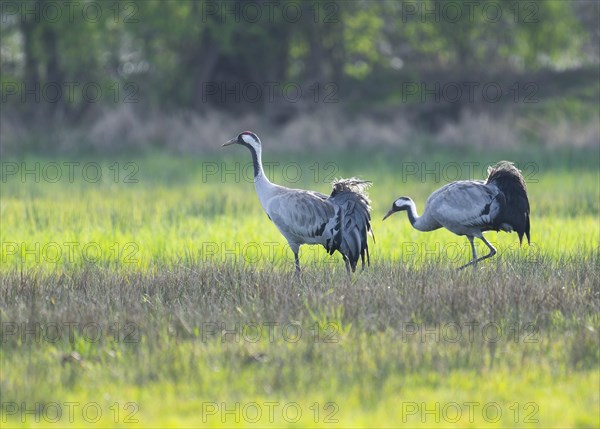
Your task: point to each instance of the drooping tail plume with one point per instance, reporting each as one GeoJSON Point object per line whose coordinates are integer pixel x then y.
{"type": "Point", "coordinates": [354, 219]}
{"type": "Point", "coordinates": [510, 181]}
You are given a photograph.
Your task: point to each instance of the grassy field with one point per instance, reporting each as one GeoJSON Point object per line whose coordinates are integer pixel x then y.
{"type": "Point", "coordinates": [153, 291]}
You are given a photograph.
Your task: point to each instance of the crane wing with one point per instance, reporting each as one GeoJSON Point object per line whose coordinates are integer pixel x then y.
{"type": "Point", "coordinates": [466, 203]}
{"type": "Point", "coordinates": [355, 222]}
{"type": "Point", "coordinates": [303, 216]}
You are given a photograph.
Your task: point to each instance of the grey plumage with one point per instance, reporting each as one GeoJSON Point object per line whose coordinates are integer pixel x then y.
{"type": "Point", "coordinates": [339, 222]}
{"type": "Point", "coordinates": [471, 207]}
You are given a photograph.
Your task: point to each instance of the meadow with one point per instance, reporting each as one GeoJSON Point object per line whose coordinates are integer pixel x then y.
{"type": "Point", "coordinates": [152, 290]}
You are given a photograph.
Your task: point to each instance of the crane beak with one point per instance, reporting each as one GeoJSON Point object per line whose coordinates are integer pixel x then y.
{"type": "Point", "coordinates": [391, 212]}
{"type": "Point", "coordinates": [230, 142]}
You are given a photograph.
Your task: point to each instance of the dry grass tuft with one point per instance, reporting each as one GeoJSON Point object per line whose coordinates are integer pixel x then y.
{"type": "Point", "coordinates": [384, 298]}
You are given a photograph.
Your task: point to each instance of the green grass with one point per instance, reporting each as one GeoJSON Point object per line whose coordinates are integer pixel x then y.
{"type": "Point", "coordinates": [184, 209]}
{"type": "Point", "coordinates": [117, 293]}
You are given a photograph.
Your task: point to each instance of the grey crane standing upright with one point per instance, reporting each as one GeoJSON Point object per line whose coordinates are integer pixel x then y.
{"type": "Point", "coordinates": [340, 221]}
{"type": "Point", "coordinates": [470, 207]}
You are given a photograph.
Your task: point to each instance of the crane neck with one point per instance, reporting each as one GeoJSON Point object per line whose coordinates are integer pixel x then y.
{"type": "Point", "coordinates": [262, 184]}
{"type": "Point", "coordinates": [259, 173]}
{"type": "Point", "coordinates": [414, 218]}
{"type": "Point", "coordinates": [422, 223]}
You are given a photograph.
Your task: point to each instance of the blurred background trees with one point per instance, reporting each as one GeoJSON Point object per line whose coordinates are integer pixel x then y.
{"type": "Point", "coordinates": [82, 59]}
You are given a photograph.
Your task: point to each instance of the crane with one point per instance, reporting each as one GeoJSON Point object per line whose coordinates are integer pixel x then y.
{"type": "Point", "coordinates": [340, 221]}
{"type": "Point", "coordinates": [470, 207]}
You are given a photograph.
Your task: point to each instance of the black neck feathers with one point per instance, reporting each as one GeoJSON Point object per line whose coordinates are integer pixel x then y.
{"type": "Point", "coordinates": [254, 158]}
{"type": "Point", "coordinates": [411, 215]}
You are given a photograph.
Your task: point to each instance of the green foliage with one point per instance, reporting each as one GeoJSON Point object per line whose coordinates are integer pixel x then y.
{"type": "Point", "coordinates": [169, 49]}
{"type": "Point", "coordinates": [362, 33]}
{"type": "Point", "coordinates": [491, 34]}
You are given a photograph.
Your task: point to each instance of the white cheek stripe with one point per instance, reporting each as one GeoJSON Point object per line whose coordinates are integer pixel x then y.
{"type": "Point", "coordinates": [248, 139]}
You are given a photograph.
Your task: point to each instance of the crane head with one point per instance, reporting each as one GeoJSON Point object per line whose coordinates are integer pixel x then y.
{"type": "Point", "coordinates": [402, 203]}
{"type": "Point", "coordinates": [247, 138]}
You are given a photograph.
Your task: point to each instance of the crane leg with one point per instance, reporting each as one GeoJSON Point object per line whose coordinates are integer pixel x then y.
{"type": "Point", "coordinates": [362, 258]}
{"type": "Point", "coordinates": [489, 245]}
{"type": "Point", "coordinates": [297, 262]}
{"type": "Point", "coordinates": [475, 259]}
{"type": "Point", "coordinates": [347, 265]}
